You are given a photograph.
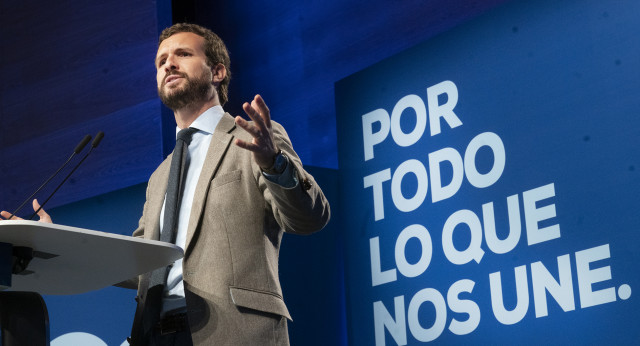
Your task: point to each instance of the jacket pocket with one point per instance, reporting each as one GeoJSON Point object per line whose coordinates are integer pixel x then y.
{"type": "Point", "coordinates": [226, 178]}
{"type": "Point", "coordinates": [259, 300]}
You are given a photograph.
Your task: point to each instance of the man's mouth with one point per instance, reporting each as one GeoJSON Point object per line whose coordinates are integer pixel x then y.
{"type": "Point", "coordinates": [172, 79]}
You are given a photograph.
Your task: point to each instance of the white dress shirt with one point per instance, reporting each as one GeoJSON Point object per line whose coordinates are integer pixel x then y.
{"type": "Point", "coordinates": [206, 124]}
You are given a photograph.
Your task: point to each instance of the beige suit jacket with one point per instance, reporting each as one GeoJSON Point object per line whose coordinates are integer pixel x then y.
{"type": "Point", "coordinates": [230, 267]}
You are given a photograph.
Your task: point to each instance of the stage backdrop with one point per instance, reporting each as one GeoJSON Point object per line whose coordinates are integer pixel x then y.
{"type": "Point", "coordinates": [491, 176]}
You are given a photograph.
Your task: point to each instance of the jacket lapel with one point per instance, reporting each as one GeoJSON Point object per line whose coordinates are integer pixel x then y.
{"type": "Point", "coordinates": [219, 145]}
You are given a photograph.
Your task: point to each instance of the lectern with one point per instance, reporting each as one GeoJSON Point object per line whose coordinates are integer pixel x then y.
{"type": "Point", "coordinates": [39, 258]}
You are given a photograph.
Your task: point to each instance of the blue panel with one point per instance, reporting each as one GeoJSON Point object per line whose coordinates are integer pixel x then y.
{"type": "Point", "coordinates": [312, 278]}
{"type": "Point", "coordinates": [556, 82]}
{"type": "Point", "coordinates": [122, 159]}
{"type": "Point", "coordinates": [293, 52]}
{"type": "Point", "coordinates": [73, 68]}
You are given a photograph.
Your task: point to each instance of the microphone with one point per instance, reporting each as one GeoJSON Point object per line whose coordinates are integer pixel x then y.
{"type": "Point", "coordinates": [77, 150]}
{"type": "Point", "coordinates": [94, 144]}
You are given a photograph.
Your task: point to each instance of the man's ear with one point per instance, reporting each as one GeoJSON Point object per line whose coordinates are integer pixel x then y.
{"type": "Point", "coordinates": [219, 72]}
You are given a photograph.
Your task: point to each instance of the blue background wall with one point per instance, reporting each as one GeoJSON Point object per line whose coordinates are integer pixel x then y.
{"type": "Point", "coordinates": [78, 67]}
{"type": "Point", "coordinates": [73, 68]}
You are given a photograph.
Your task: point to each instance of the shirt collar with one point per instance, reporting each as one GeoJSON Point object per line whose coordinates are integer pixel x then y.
{"type": "Point", "coordinates": [207, 121]}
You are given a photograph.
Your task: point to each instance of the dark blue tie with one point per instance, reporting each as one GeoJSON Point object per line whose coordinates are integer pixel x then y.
{"type": "Point", "coordinates": [177, 174]}
{"type": "Point", "coordinates": [175, 186]}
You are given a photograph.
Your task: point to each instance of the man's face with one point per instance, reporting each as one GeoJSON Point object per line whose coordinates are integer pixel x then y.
{"type": "Point", "coordinates": [183, 75]}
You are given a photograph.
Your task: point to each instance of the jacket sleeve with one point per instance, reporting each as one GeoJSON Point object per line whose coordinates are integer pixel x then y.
{"type": "Point", "coordinates": [302, 209]}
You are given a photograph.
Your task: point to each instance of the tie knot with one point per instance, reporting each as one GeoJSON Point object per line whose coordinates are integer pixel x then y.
{"type": "Point", "coordinates": [186, 134]}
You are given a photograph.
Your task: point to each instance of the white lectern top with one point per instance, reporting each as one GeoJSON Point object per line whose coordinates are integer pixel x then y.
{"type": "Point", "coordinates": [74, 260]}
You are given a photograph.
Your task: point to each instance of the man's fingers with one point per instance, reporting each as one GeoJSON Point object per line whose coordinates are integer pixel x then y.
{"type": "Point", "coordinates": [7, 215]}
{"type": "Point", "coordinates": [258, 111]}
{"type": "Point", "coordinates": [44, 217]}
{"type": "Point", "coordinates": [259, 104]}
{"type": "Point", "coordinates": [254, 115]}
{"type": "Point", "coordinates": [262, 146]}
{"type": "Point", "coordinates": [246, 145]}
{"type": "Point", "coordinates": [253, 131]}
{"type": "Point", "coordinates": [35, 205]}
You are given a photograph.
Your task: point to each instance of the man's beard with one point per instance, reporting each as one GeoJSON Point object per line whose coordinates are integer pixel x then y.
{"type": "Point", "coordinates": [196, 89]}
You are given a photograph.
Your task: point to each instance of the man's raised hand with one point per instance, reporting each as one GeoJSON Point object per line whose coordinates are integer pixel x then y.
{"type": "Point", "coordinates": [263, 146]}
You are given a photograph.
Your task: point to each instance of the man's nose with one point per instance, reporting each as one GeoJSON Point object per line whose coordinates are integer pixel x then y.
{"type": "Point", "coordinates": [171, 64]}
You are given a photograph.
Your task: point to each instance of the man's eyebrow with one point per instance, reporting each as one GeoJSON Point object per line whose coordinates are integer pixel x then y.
{"type": "Point", "coordinates": [184, 49]}
{"type": "Point", "coordinates": [177, 50]}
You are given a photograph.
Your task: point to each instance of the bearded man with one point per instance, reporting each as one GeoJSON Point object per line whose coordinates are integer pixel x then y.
{"type": "Point", "coordinates": [241, 187]}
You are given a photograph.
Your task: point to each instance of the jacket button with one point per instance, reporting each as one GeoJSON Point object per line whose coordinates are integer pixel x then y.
{"type": "Point", "coordinates": [306, 184]}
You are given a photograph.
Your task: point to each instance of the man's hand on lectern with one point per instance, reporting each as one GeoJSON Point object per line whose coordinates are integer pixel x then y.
{"type": "Point", "coordinates": [44, 217]}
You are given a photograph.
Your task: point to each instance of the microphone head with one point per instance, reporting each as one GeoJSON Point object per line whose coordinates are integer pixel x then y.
{"type": "Point", "coordinates": [82, 144]}
{"type": "Point", "coordinates": [97, 140]}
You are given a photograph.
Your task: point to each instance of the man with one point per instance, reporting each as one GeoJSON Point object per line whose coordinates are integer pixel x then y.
{"type": "Point", "coordinates": [243, 187]}
{"type": "Point", "coordinates": [237, 200]}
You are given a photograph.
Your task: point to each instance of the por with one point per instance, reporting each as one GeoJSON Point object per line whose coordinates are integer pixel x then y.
{"type": "Point", "coordinates": [392, 123]}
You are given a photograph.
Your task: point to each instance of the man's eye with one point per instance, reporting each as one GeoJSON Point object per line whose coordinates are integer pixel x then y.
{"type": "Point", "coordinates": [161, 62]}
{"type": "Point", "coordinates": [185, 54]}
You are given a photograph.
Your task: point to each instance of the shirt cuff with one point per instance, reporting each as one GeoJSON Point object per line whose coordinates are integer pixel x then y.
{"type": "Point", "coordinates": [287, 179]}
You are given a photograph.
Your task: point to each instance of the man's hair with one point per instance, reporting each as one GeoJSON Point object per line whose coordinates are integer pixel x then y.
{"type": "Point", "coordinates": [214, 49]}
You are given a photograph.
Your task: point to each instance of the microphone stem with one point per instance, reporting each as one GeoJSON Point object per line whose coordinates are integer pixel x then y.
{"type": "Point", "coordinates": [41, 186]}
{"type": "Point", "coordinates": [63, 181]}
